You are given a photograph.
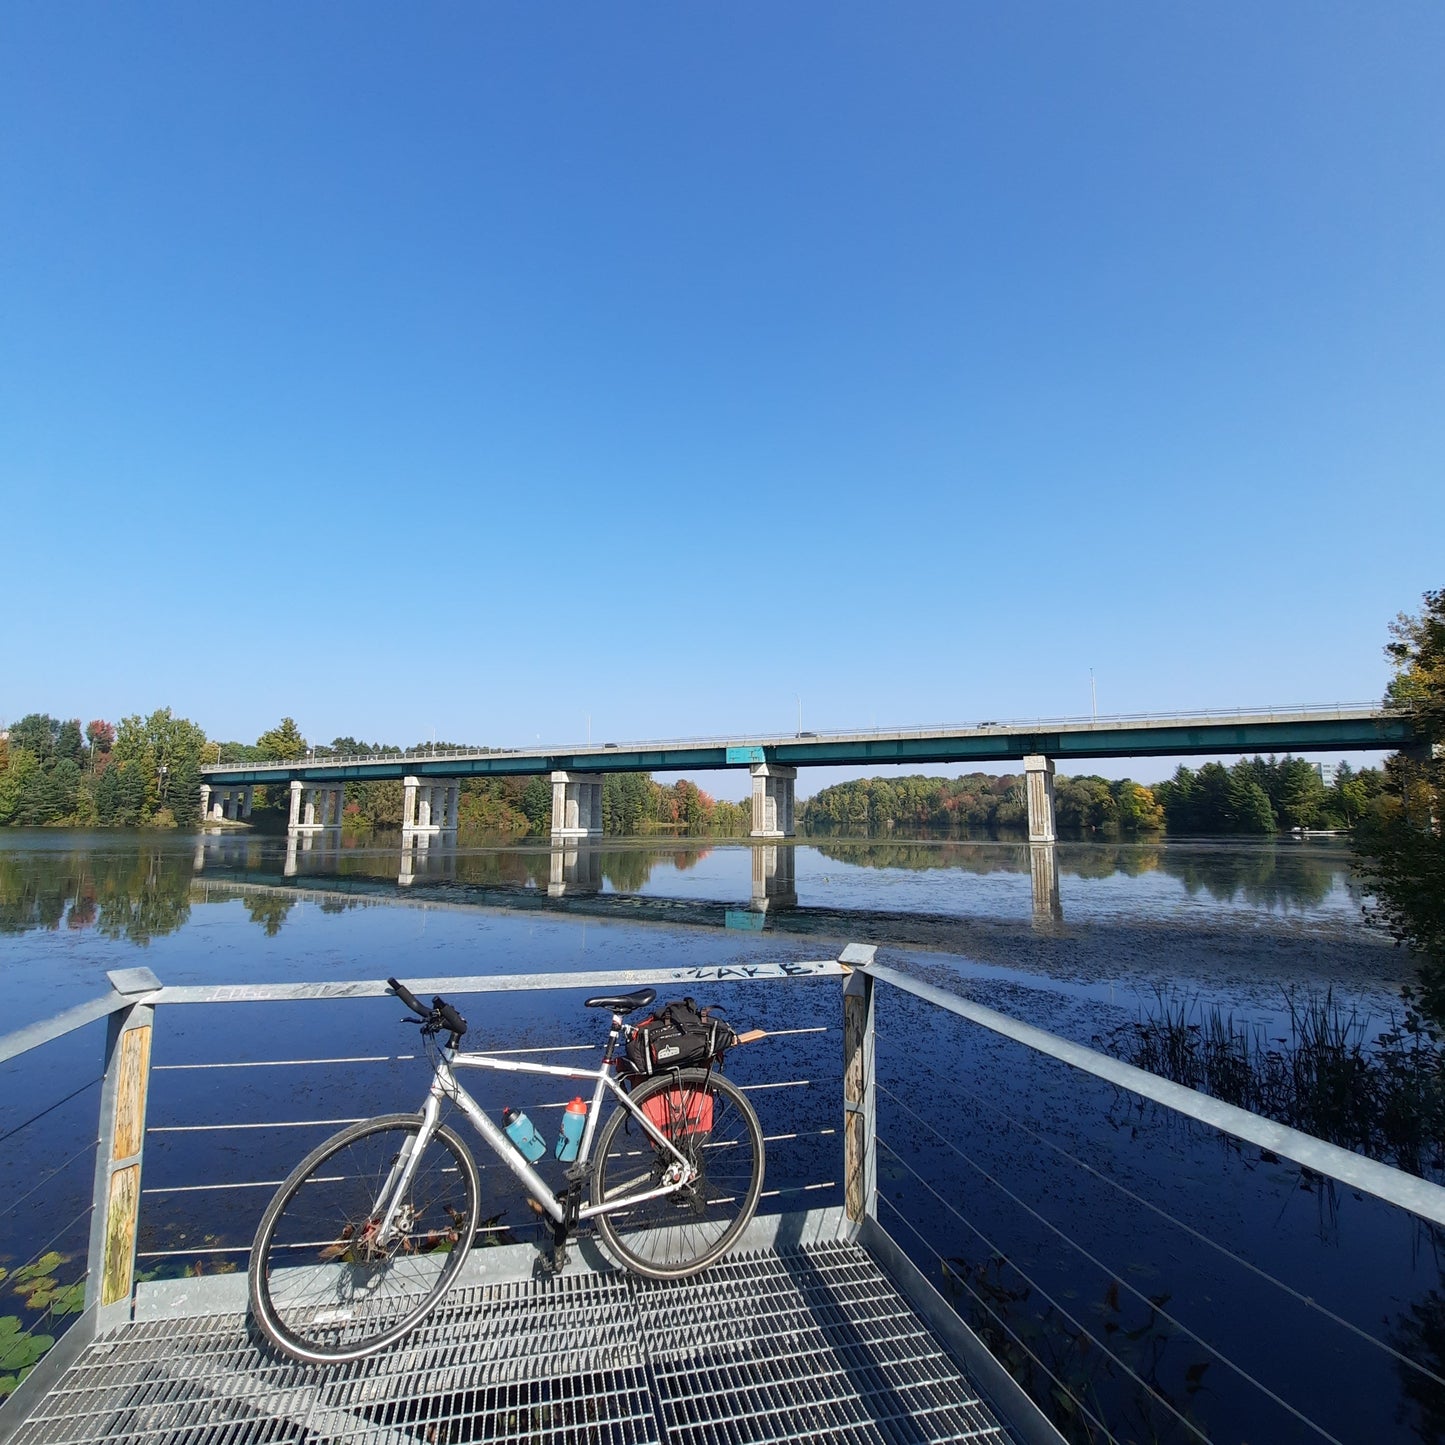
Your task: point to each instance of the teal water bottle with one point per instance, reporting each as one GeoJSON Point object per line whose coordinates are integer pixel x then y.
{"type": "Point", "coordinates": [574, 1121]}
{"type": "Point", "coordinates": [523, 1133]}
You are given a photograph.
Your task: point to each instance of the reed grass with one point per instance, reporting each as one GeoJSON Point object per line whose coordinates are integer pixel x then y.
{"type": "Point", "coordinates": [1383, 1096]}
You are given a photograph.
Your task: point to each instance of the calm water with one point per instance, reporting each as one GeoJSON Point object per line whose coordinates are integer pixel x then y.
{"type": "Point", "coordinates": [1005, 1143]}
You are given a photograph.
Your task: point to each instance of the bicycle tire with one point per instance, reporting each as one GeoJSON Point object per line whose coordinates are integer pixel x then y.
{"type": "Point", "coordinates": [683, 1232]}
{"type": "Point", "coordinates": [320, 1296]}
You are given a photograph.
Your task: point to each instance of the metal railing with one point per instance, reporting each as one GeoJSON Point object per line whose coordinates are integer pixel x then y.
{"type": "Point", "coordinates": [119, 1189]}
{"type": "Point", "coordinates": [1341, 711]}
{"type": "Point", "coordinates": [884, 1222]}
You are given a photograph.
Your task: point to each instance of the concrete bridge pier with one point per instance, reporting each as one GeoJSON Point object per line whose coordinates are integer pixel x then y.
{"type": "Point", "coordinates": [1039, 777]}
{"type": "Point", "coordinates": [230, 805]}
{"type": "Point", "coordinates": [315, 807]}
{"type": "Point", "coordinates": [576, 805]}
{"type": "Point", "coordinates": [775, 878]}
{"type": "Point", "coordinates": [429, 808]}
{"type": "Point", "coordinates": [773, 796]}
{"type": "Point", "coordinates": [1044, 866]}
{"type": "Point", "coordinates": [574, 870]}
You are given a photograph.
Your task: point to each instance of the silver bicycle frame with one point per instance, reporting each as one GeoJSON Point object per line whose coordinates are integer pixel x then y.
{"type": "Point", "coordinates": [446, 1086]}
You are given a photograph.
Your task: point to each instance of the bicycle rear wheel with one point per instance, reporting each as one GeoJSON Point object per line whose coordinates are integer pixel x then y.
{"type": "Point", "coordinates": [322, 1287]}
{"type": "Point", "coordinates": [712, 1124]}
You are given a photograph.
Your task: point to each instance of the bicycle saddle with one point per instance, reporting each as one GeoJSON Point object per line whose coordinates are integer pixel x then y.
{"type": "Point", "coordinates": [622, 1003]}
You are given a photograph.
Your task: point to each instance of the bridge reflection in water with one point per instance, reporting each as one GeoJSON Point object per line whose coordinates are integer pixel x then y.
{"type": "Point", "coordinates": [882, 887]}
{"type": "Point", "coordinates": [590, 878]}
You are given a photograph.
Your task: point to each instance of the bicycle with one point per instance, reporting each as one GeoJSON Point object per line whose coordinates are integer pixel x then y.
{"type": "Point", "coordinates": [371, 1229]}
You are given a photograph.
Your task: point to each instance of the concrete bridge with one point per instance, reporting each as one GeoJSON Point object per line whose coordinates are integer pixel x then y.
{"type": "Point", "coordinates": [432, 779]}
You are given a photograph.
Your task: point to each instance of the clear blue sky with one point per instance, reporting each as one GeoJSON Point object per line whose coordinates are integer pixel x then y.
{"type": "Point", "coordinates": [472, 370]}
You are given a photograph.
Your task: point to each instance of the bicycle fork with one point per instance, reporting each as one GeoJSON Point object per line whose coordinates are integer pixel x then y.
{"type": "Point", "coordinates": [399, 1179]}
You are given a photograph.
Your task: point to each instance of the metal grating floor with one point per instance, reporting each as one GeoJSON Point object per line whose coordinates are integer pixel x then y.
{"type": "Point", "coordinates": [804, 1343]}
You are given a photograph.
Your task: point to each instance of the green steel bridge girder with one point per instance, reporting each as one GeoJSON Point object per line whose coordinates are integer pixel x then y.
{"type": "Point", "coordinates": [1378, 732]}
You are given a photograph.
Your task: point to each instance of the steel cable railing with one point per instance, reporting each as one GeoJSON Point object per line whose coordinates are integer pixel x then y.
{"type": "Point", "coordinates": [177, 1193]}
{"type": "Point", "coordinates": [1173, 1320]}
{"type": "Point", "coordinates": [1003, 1324]}
{"type": "Point", "coordinates": [1307, 1302]}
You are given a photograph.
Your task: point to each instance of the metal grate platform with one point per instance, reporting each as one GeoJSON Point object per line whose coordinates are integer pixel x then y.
{"type": "Point", "coordinates": [801, 1343]}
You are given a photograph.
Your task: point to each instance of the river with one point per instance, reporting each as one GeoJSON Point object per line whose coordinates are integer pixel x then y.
{"type": "Point", "coordinates": [1109, 935]}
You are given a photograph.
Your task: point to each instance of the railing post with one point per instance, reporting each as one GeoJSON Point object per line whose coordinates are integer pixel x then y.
{"type": "Point", "coordinates": [860, 1157]}
{"type": "Point", "coordinates": [113, 1220]}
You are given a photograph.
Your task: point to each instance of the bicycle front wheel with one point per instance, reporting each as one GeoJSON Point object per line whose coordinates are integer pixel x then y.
{"type": "Point", "coordinates": [711, 1123]}
{"type": "Point", "coordinates": [324, 1285]}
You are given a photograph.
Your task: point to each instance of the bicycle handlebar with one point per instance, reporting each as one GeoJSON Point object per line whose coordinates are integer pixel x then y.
{"type": "Point", "coordinates": [441, 1015]}
{"type": "Point", "coordinates": [408, 998]}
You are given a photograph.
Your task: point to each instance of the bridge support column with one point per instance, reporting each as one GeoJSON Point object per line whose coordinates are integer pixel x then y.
{"type": "Point", "coordinates": [428, 808]}
{"type": "Point", "coordinates": [775, 878]}
{"type": "Point", "coordinates": [773, 796]}
{"type": "Point", "coordinates": [576, 805]}
{"type": "Point", "coordinates": [315, 807]}
{"type": "Point", "coordinates": [1039, 776]}
{"type": "Point", "coordinates": [205, 802]}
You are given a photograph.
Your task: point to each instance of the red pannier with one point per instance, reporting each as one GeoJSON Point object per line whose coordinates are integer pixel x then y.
{"type": "Point", "coordinates": [679, 1112]}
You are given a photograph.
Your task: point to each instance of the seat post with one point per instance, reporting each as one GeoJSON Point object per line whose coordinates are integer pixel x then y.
{"type": "Point", "coordinates": [612, 1038]}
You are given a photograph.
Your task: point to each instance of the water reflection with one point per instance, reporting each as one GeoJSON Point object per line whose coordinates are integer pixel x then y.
{"type": "Point", "coordinates": [1271, 875]}
{"type": "Point", "coordinates": [135, 893]}
{"type": "Point", "coordinates": [1044, 868]}
{"type": "Point", "coordinates": [774, 878]}
{"type": "Point", "coordinates": [139, 888]}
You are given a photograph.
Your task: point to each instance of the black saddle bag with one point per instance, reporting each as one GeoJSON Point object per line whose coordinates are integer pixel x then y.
{"type": "Point", "coordinates": [678, 1036]}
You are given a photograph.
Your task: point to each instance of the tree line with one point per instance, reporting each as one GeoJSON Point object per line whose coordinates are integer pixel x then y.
{"type": "Point", "coordinates": [145, 772]}
{"type": "Point", "coordinates": [976, 802]}
{"type": "Point", "coordinates": [1256, 795]}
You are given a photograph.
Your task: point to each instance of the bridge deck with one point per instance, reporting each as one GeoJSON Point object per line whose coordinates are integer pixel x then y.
{"type": "Point", "coordinates": [792, 1343]}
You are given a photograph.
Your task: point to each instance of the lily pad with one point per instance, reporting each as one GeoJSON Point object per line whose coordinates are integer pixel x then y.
{"type": "Point", "coordinates": [20, 1351]}
{"type": "Point", "coordinates": [48, 1263]}
{"type": "Point", "coordinates": [69, 1299]}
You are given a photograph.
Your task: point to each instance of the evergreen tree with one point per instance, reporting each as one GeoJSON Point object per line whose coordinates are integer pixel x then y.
{"type": "Point", "coordinates": [184, 793]}
{"type": "Point", "coordinates": [68, 742]}
{"type": "Point", "coordinates": [108, 801]}
{"type": "Point", "coordinates": [537, 804]}
{"type": "Point", "coordinates": [132, 810]}
{"type": "Point", "coordinates": [1301, 793]}
{"type": "Point", "coordinates": [1249, 807]}
{"type": "Point", "coordinates": [36, 732]}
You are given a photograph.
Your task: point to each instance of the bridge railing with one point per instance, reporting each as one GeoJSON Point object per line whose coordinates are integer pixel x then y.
{"type": "Point", "coordinates": [1324, 711]}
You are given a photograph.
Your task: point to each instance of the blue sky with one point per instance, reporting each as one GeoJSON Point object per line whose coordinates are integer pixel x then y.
{"type": "Point", "coordinates": [478, 371]}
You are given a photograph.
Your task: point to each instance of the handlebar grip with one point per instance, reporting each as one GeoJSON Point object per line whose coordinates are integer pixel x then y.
{"type": "Point", "coordinates": [408, 998]}
{"type": "Point", "coordinates": [450, 1017]}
